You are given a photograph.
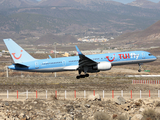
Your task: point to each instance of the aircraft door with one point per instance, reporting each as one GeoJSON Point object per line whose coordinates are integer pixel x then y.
{"type": "Point", "coordinates": [143, 55]}
{"type": "Point", "coordinates": [64, 63]}
{"type": "Point", "coordinates": [115, 56]}
{"type": "Point", "coordinates": [36, 65]}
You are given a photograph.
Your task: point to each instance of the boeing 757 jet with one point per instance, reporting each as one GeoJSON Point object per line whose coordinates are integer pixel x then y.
{"type": "Point", "coordinates": [23, 61]}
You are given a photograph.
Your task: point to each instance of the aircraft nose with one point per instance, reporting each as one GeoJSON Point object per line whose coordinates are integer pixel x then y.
{"type": "Point", "coordinates": [156, 57]}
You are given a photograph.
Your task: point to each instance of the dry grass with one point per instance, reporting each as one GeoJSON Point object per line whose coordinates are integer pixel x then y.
{"type": "Point", "coordinates": [79, 116]}
{"type": "Point", "coordinates": [158, 116]}
{"type": "Point", "coordinates": [151, 114]}
{"type": "Point", "coordinates": [137, 104]}
{"type": "Point", "coordinates": [122, 117]}
{"type": "Point", "coordinates": [101, 116]}
{"type": "Point", "coordinates": [114, 116]}
{"type": "Point", "coordinates": [54, 97]}
{"type": "Point", "coordinates": [157, 103]}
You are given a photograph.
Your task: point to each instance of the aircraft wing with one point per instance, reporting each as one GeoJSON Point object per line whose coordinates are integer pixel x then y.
{"type": "Point", "coordinates": [84, 61]}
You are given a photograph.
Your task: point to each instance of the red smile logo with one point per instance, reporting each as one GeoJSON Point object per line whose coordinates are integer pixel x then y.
{"type": "Point", "coordinates": [109, 59]}
{"type": "Point", "coordinates": [17, 58]}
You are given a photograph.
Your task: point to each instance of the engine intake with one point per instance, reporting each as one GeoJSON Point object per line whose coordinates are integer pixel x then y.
{"type": "Point", "coordinates": [102, 66]}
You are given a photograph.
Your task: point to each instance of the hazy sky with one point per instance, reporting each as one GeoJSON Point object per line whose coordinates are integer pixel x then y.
{"type": "Point", "coordinates": [128, 1]}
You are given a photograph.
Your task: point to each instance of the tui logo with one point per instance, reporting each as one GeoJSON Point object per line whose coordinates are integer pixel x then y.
{"type": "Point", "coordinates": [17, 58]}
{"type": "Point", "coordinates": [111, 59]}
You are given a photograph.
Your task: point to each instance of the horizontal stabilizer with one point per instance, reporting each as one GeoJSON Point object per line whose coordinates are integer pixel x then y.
{"type": "Point", "coordinates": [20, 65]}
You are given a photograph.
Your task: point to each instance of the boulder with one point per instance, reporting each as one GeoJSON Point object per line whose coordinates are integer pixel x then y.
{"type": "Point", "coordinates": [6, 103]}
{"type": "Point", "coordinates": [93, 98]}
{"type": "Point", "coordinates": [87, 106]}
{"type": "Point", "coordinates": [141, 109]}
{"type": "Point", "coordinates": [137, 117]}
{"type": "Point", "coordinates": [21, 115]}
{"type": "Point", "coordinates": [120, 100]}
{"type": "Point", "coordinates": [69, 108]}
{"type": "Point", "coordinates": [77, 106]}
{"type": "Point", "coordinates": [148, 102]}
{"type": "Point", "coordinates": [157, 109]}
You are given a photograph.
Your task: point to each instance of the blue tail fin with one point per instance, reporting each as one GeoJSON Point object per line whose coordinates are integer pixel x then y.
{"type": "Point", "coordinates": [19, 55]}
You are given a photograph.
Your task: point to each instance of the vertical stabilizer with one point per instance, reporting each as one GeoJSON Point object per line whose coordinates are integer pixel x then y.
{"type": "Point", "coordinates": [19, 55]}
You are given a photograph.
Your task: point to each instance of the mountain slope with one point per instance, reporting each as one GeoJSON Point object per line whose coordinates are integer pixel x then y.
{"type": "Point", "coordinates": [146, 38]}
{"type": "Point", "coordinates": [71, 2]}
{"type": "Point", "coordinates": [74, 17]}
{"type": "Point", "coordinates": [6, 4]}
{"type": "Point", "coordinates": [58, 3]}
{"type": "Point", "coordinates": [145, 4]}
{"type": "Point", "coordinates": [50, 39]}
{"type": "Point", "coordinates": [60, 19]}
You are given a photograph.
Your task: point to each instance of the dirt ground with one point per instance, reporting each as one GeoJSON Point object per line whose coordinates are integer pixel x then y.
{"type": "Point", "coordinates": [114, 79]}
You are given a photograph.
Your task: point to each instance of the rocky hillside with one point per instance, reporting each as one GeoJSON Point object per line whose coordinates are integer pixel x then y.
{"type": "Point", "coordinates": [27, 18]}
{"type": "Point", "coordinates": [81, 109]}
{"type": "Point", "coordinates": [103, 18]}
{"type": "Point", "coordinates": [58, 3]}
{"type": "Point", "coordinates": [145, 38]}
{"type": "Point", "coordinates": [5, 4]}
{"type": "Point", "coordinates": [145, 4]}
{"type": "Point", "coordinates": [27, 3]}
{"type": "Point", "coordinates": [50, 39]}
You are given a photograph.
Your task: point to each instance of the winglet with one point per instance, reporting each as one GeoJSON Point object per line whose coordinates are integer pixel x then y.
{"type": "Point", "coordinates": [79, 52]}
{"type": "Point", "coordinates": [50, 57]}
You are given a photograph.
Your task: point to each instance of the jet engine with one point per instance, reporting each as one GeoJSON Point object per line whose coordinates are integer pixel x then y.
{"type": "Point", "coordinates": [102, 66]}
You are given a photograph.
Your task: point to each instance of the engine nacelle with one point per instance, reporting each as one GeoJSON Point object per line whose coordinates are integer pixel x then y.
{"type": "Point", "coordinates": [102, 66]}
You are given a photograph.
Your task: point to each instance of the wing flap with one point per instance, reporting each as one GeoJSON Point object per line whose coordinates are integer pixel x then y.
{"type": "Point", "coordinates": [71, 67]}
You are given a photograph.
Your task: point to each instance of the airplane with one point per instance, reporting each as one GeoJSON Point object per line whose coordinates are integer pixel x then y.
{"type": "Point", "coordinates": [23, 61]}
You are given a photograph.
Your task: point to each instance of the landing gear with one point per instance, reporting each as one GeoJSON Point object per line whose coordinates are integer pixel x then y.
{"type": "Point", "coordinates": [139, 67]}
{"type": "Point", "coordinates": [78, 77]}
{"type": "Point", "coordinates": [87, 75]}
{"type": "Point", "coordinates": [81, 76]}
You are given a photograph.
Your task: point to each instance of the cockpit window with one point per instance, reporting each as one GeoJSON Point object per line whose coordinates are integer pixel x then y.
{"type": "Point", "coordinates": [150, 54]}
